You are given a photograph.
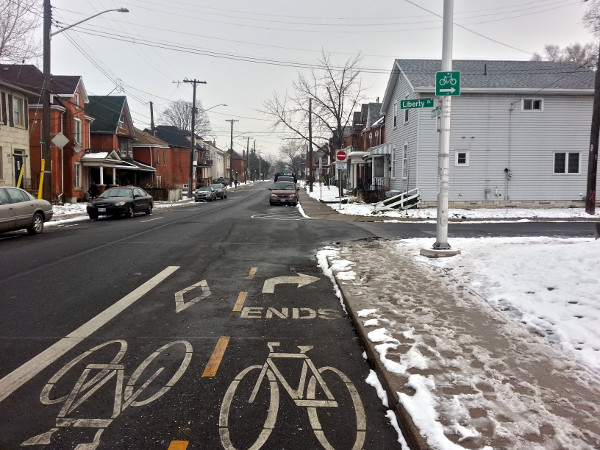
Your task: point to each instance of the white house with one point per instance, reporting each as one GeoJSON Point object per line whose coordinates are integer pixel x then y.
{"type": "Point", "coordinates": [519, 134]}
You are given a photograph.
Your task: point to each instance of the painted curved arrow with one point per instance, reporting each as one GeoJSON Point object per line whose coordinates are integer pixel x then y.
{"type": "Point", "coordinates": [300, 280]}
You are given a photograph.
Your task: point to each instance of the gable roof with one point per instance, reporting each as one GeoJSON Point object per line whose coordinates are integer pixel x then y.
{"type": "Point", "coordinates": [106, 110]}
{"type": "Point", "coordinates": [146, 139]}
{"type": "Point", "coordinates": [173, 135]}
{"type": "Point", "coordinates": [495, 76]}
{"type": "Point", "coordinates": [31, 78]}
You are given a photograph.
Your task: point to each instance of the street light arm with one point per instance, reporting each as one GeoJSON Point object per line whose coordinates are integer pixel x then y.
{"type": "Point", "coordinates": [208, 109]}
{"type": "Point", "coordinates": [124, 10]}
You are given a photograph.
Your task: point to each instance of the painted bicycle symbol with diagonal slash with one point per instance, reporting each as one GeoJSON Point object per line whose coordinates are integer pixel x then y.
{"type": "Point", "coordinates": [150, 378]}
{"type": "Point", "coordinates": [314, 395]}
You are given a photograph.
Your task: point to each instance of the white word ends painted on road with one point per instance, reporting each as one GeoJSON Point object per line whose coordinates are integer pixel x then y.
{"type": "Point", "coordinates": [261, 312]}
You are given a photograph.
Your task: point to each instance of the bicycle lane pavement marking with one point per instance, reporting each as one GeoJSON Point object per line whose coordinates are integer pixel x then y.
{"type": "Point", "coordinates": [31, 368]}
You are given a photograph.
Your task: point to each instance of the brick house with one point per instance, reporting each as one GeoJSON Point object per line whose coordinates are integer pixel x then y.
{"type": "Point", "coordinates": [110, 159]}
{"type": "Point", "coordinates": [68, 117]}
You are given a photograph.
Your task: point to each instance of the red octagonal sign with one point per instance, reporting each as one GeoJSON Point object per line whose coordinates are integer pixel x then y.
{"type": "Point", "coordinates": [341, 156]}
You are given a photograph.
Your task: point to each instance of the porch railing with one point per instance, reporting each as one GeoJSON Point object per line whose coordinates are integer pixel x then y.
{"type": "Point", "coordinates": [404, 201]}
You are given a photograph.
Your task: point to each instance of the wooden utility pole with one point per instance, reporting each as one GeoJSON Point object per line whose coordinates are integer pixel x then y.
{"type": "Point", "coordinates": [193, 137]}
{"type": "Point", "coordinates": [231, 121]}
{"type": "Point", "coordinates": [45, 143]}
{"type": "Point", "coordinates": [590, 198]}
{"type": "Point", "coordinates": [310, 147]}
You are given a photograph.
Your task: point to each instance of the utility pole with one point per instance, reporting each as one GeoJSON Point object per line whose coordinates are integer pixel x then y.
{"type": "Point", "coordinates": [193, 137]}
{"type": "Point", "coordinates": [231, 121]}
{"type": "Point", "coordinates": [310, 147]}
{"type": "Point", "coordinates": [247, 160]}
{"type": "Point", "coordinates": [152, 118]}
{"type": "Point", "coordinates": [45, 143]}
{"type": "Point", "coordinates": [444, 145]}
{"type": "Point", "coordinates": [441, 246]}
{"type": "Point", "coordinates": [590, 198]}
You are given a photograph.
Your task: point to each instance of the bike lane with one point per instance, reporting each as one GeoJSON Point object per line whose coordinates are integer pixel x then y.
{"type": "Point", "coordinates": [129, 385]}
{"type": "Point", "coordinates": [177, 367]}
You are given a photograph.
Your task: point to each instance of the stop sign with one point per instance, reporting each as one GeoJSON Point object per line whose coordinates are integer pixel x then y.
{"type": "Point", "coordinates": [341, 156]}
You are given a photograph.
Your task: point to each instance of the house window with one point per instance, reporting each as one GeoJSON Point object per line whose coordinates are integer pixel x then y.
{"type": "Point", "coordinates": [19, 111]}
{"type": "Point", "coordinates": [77, 99]}
{"type": "Point", "coordinates": [394, 164]}
{"type": "Point", "coordinates": [164, 158]}
{"type": "Point", "coordinates": [78, 175]}
{"type": "Point", "coordinates": [566, 162]}
{"type": "Point", "coordinates": [1, 168]}
{"type": "Point", "coordinates": [121, 121]}
{"type": "Point", "coordinates": [406, 111]}
{"type": "Point", "coordinates": [77, 132]}
{"type": "Point", "coordinates": [533, 104]}
{"type": "Point", "coordinates": [405, 161]}
{"type": "Point", "coordinates": [157, 158]}
{"type": "Point", "coordinates": [395, 114]}
{"type": "Point", "coordinates": [461, 158]}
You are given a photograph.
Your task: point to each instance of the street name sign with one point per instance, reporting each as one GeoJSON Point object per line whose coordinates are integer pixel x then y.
{"type": "Point", "coordinates": [447, 83]}
{"type": "Point", "coordinates": [417, 103]}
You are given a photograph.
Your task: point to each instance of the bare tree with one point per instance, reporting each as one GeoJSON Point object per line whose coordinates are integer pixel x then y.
{"type": "Point", "coordinates": [18, 21]}
{"type": "Point", "coordinates": [586, 55]}
{"type": "Point", "coordinates": [591, 18]}
{"type": "Point", "coordinates": [292, 155]}
{"type": "Point", "coordinates": [179, 114]}
{"type": "Point", "coordinates": [335, 92]}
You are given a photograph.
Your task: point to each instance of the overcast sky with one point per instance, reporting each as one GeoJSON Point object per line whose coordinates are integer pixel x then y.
{"type": "Point", "coordinates": [246, 51]}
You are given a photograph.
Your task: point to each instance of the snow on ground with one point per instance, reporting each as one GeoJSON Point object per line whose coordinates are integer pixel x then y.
{"type": "Point", "coordinates": [330, 195]}
{"type": "Point", "coordinates": [533, 301]}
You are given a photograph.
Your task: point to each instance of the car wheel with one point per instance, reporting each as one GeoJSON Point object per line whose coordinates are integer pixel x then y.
{"type": "Point", "coordinates": [149, 210]}
{"type": "Point", "coordinates": [130, 211]}
{"type": "Point", "coordinates": [93, 216]}
{"type": "Point", "coordinates": [37, 225]}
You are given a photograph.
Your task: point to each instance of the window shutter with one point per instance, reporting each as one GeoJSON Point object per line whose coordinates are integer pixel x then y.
{"type": "Point", "coordinates": [26, 108]}
{"type": "Point", "coordinates": [11, 119]}
{"type": "Point", "coordinates": [4, 114]}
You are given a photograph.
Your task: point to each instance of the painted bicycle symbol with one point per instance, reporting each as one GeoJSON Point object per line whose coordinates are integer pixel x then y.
{"type": "Point", "coordinates": [448, 78]}
{"type": "Point", "coordinates": [150, 378]}
{"type": "Point", "coordinates": [314, 396]}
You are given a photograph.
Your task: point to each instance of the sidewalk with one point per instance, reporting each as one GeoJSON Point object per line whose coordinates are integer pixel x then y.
{"type": "Point", "coordinates": [458, 373]}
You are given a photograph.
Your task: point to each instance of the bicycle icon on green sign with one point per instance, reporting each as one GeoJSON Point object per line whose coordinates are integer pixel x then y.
{"type": "Point", "coordinates": [448, 79]}
{"type": "Point", "coordinates": [312, 393]}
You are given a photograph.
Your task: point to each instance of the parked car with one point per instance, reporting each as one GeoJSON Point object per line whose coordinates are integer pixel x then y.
{"type": "Point", "coordinates": [205, 194]}
{"type": "Point", "coordinates": [220, 190]}
{"type": "Point", "coordinates": [223, 181]}
{"type": "Point", "coordinates": [19, 209]}
{"type": "Point", "coordinates": [283, 193]}
{"type": "Point", "coordinates": [120, 201]}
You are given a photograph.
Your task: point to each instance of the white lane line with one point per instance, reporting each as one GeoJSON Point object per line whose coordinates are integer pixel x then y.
{"type": "Point", "coordinates": [31, 368]}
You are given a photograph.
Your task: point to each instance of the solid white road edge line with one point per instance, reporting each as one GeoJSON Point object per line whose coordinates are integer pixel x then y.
{"type": "Point", "coordinates": [31, 368]}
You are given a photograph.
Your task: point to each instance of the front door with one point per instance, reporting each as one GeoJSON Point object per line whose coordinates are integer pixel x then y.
{"type": "Point", "coordinates": [18, 165]}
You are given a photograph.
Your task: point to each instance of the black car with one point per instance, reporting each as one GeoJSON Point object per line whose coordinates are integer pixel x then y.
{"type": "Point", "coordinates": [223, 181]}
{"type": "Point", "coordinates": [120, 201]}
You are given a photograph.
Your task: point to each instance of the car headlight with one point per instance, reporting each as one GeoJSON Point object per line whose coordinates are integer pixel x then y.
{"type": "Point", "coordinates": [91, 204]}
{"type": "Point", "coordinates": [120, 203]}
{"type": "Point", "coordinates": [274, 196]}
{"type": "Point", "coordinates": [292, 196]}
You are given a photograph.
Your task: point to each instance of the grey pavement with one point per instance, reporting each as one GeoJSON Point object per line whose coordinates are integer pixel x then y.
{"type": "Point", "coordinates": [509, 384]}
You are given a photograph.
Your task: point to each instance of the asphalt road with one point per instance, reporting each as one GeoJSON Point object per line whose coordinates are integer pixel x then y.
{"type": "Point", "coordinates": [200, 326]}
{"type": "Point", "coordinates": [156, 332]}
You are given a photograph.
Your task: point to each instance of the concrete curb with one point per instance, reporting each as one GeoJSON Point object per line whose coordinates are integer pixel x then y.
{"type": "Point", "coordinates": [409, 430]}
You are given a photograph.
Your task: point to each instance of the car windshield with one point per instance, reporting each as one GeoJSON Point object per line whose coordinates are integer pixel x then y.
{"type": "Point", "coordinates": [284, 186]}
{"type": "Point", "coordinates": [217, 186]}
{"type": "Point", "coordinates": [205, 189]}
{"type": "Point", "coordinates": [117, 192]}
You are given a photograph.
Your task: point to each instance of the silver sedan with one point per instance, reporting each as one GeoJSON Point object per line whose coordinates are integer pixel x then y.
{"type": "Point", "coordinates": [19, 209]}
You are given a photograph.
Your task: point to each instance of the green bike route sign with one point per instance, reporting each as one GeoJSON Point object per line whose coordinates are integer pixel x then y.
{"type": "Point", "coordinates": [447, 83]}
